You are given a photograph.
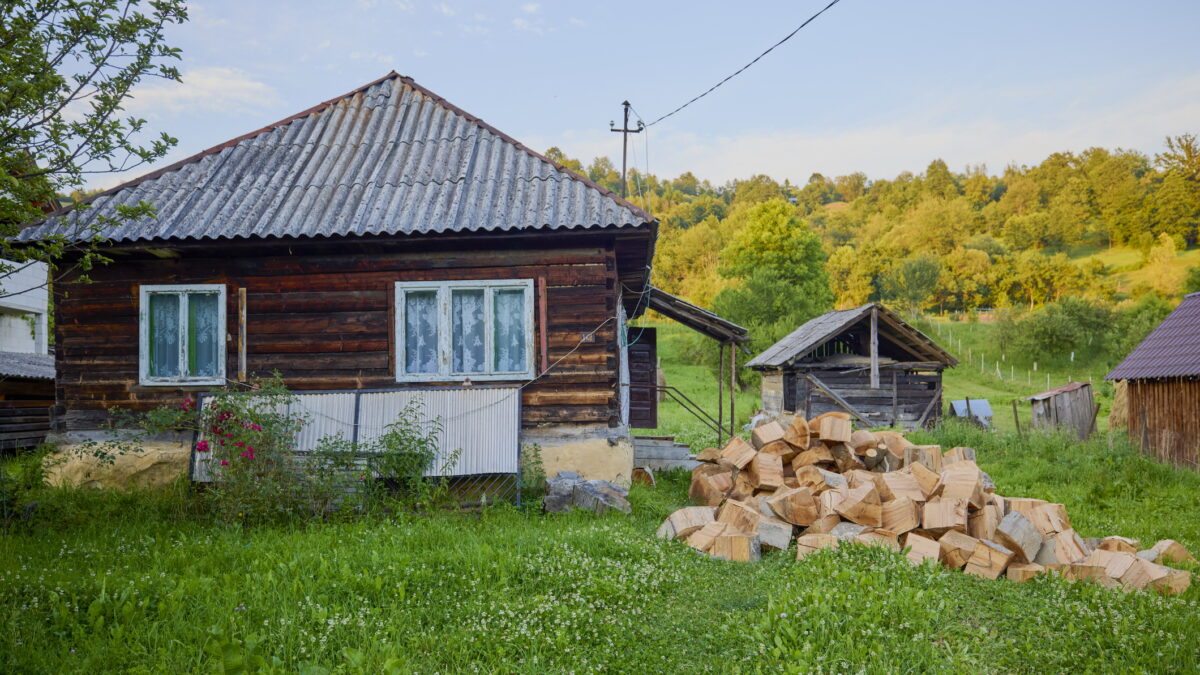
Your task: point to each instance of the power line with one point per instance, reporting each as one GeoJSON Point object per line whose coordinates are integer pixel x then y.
{"type": "Point", "coordinates": [743, 68]}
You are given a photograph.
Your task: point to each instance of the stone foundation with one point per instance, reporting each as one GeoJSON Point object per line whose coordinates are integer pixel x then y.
{"type": "Point", "coordinates": [152, 464]}
{"type": "Point", "coordinates": [594, 452]}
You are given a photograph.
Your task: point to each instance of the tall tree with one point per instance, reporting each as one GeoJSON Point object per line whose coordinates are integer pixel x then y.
{"type": "Point", "coordinates": [68, 67]}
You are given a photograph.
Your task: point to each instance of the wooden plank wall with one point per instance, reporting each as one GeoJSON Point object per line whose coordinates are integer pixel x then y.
{"type": "Point", "coordinates": [321, 315]}
{"type": "Point", "coordinates": [1164, 419]}
{"type": "Point", "coordinates": [24, 412]}
{"type": "Point", "coordinates": [914, 390]}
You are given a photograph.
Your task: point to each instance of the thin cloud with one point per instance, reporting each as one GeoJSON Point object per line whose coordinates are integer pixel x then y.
{"type": "Point", "coordinates": [530, 7]}
{"type": "Point", "coordinates": [445, 9]}
{"type": "Point", "coordinates": [205, 90]}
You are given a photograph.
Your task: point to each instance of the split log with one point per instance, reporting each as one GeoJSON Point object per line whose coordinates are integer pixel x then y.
{"type": "Point", "coordinates": [982, 524]}
{"type": "Point", "coordinates": [881, 538]}
{"type": "Point", "coordinates": [742, 489]}
{"type": "Point", "coordinates": [921, 549]}
{"type": "Point", "coordinates": [862, 440]}
{"type": "Point", "coordinates": [901, 515]}
{"type": "Point", "coordinates": [835, 429]}
{"type": "Point", "coordinates": [709, 488]}
{"type": "Point", "coordinates": [848, 531]}
{"type": "Point", "coordinates": [737, 547]}
{"type": "Point", "coordinates": [942, 515]}
{"type": "Point", "coordinates": [685, 521]}
{"type": "Point", "coordinates": [702, 539]}
{"type": "Point", "coordinates": [863, 477]}
{"type": "Point", "coordinates": [810, 543]}
{"type": "Point", "coordinates": [929, 455]}
{"type": "Point", "coordinates": [797, 433]}
{"type": "Point", "coordinates": [958, 454]}
{"type": "Point", "coordinates": [1175, 582]}
{"type": "Point", "coordinates": [862, 506]}
{"type": "Point", "coordinates": [819, 480]}
{"type": "Point", "coordinates": [1143, 574]}
{"type": "Point", "coordinates": [895, 442]}
{"type": "Point", "coordinates": [962, 481]}
{"type": "Point", "coordinates": [737, 452]}
{"type": "Point", "coordinates": [989, 560]}
{"type": "Point", "coordinates": [1024, 506]}
{"type": "Point", "coordinates": [1016, 533]}
{"type": "Point", "coordinates": [957, 548]}
{"type": "Point", "coordinates": [797, 506]}
{"type": "Point", "coordinates": [824, 524]}
{"type": "Point", "coordinates": [814, 424]}
{"type": "Point", "coordinates": [903, 484]}
{"type": "Point", "coordinates": [774, 533]}
{"type": "Point", "coordinates": [1171, 551]}
{"type": "Point", "coordinates": [1063, 548]}
{"type": "Point", "coordinates": [740, 516]}
{"type": "Point", "coordinates": [762, 503]}
{"type": "Point", "coordinates": [927, 479]}
{"type": "Point", "coordinates": [707, 455]}
{"type": "Point", "coordinates": [1115, 563]}
{"type": "Point", "coordinates": [766, 471]}
{"type": "Point", "coordinates": [785, 451]}
{"type": "Point", "coordinates": [1050, 519]}
{"type": "Point", "coordinates": [819, 455]}
{"type": "Point", "coordinates": [1121, 544]}
{"type": "Point", "coordinates": [1022, 572]}
{"type": "Point", "coordinates": [767, 433]}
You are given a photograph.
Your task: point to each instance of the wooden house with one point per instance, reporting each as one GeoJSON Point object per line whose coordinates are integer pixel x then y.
{"type": "Point", "coordinates": [382, 244]}
{"type": "Point", "coordinates": [866, 361]}
{"type": "Point", "coordinates": [1162, 387]}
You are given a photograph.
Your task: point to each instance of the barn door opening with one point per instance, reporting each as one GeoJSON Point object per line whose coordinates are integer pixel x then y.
{"type": "Point", "coordinates": [643, 378]}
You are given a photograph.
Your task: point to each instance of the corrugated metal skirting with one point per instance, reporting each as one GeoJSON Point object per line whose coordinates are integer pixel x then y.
{"type": "Point", "coordinates": [481, 424]}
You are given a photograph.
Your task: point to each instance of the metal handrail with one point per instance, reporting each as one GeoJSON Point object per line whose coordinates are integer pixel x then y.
{"type": "Point", "coordinates": [688, 405]}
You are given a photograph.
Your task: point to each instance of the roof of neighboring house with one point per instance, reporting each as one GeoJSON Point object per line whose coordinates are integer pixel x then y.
{"type": "Point", "coordinates": [28, 366]}
{"type": "Point", "coordinates": [1051, 393]}
{"type": "Point", "coordinates": [824, 328]}
{"type": "Point", "coordinates": [1172, 349]}
{"type": "Point", "coordinates": [388, 158]}
{"type": "Point", "coordinates": [697, 318]}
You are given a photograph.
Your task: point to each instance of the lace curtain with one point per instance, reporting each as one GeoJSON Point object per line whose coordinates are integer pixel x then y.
{"type": "Point", "coordinates": [466, 310]}
{"type": "Point", "coordinates": [509, 336]}
{"type": "Point", "coordinates": [420, 332]}
{"type": "Point", "coordinates": [164, 335]}
{"type": "Point", "coordinates": [204, 339]}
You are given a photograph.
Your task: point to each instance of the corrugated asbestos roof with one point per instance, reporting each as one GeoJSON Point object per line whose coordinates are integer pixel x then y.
{"type": "Point", "coordinates": [388, 158]}
{"type": "Point", "coordinates": [1172, 349]}
{"type": "Point", "coordinates": [697, 318]}
{"type": "Point", "coordinates": [29, 366]}
{"type": "Point", "coordinates": [817, 331]}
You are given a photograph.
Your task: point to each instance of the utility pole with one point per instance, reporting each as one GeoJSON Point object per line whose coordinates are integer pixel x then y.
{"type": "Point", "coordinates": [625, 131]}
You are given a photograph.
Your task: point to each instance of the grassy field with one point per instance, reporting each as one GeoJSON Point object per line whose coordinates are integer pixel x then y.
{"type": "Point", "coordinates": [1127, 265]}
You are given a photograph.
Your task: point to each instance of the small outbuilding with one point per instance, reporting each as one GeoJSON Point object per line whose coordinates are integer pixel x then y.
{"type": "Point", "coordinates": [1162, 376]}
{"type": "Point", "coordinates": [866, 361]}
{"type": "Point", "coordinates": [1069, 407]}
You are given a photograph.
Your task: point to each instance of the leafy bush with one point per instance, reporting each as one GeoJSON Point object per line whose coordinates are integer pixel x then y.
{"type": "Point", "coordinates": [1052, 333]}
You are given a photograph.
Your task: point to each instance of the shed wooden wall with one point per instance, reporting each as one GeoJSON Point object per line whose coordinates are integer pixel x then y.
{"type": "Point", "coordinates": [1164, 419]}
{"type": "Point", "coordinates": [321, 314]}
{"type": "Point", "coordinates": [914, 390]}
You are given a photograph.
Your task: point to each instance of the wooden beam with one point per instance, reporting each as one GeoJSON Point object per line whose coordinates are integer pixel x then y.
{"type": "Point", "coordinates": [241, 374]}
{"type": "Point", "coordinates": [543, 325]}
{"type": "Point", "coordinates": [937, 396]}
{"type": "Point", "coordinates": [874, 347]}
{"type": "Point", "coordinates": [895, 403]}
{"type": "Point", "coordinates": [838, 399]}
{"type": "Point", "coordinates": [732, 387]}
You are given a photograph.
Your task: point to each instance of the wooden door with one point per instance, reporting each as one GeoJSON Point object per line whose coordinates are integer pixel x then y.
{"type": "Point", "coordinates": [643, 377]}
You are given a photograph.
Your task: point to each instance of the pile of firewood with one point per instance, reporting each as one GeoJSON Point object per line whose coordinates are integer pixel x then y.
{"type": "Point", "coordinates": [820, 483]}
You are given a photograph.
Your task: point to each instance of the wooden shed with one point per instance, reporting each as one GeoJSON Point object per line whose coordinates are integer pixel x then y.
{"type": "Point", "coordinates": [1069, 407]}
{"type": "Point", "coordinates": [382, 241]}
{"type": "Point", "coordinates": [1162, 392]}
{"type": "Point", "coordinates": [866, 361]}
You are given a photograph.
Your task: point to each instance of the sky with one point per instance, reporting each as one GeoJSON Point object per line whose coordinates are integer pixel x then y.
{"type": "Point", "coordinates": [878, 86]}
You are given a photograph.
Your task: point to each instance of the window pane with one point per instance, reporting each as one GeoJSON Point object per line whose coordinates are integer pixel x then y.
{"type": "Point", "coordinates": [466, 309]}
{"type": "Point", "coordinates": [164, 335]}
{"type": "Point", "coordinates": [511, 343]}
{"type": "Point", "coordinates": [420, 332]}
{"type": "Point", "coordinates": [204, 335]}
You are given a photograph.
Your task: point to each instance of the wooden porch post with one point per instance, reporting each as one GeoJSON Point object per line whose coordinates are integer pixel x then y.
{"type": "Point", "coordinates": [720, 393]}
{"type": "Point", "coordinates": [874, 347]}
{"type": "Point", "coordinates": [732, 386]}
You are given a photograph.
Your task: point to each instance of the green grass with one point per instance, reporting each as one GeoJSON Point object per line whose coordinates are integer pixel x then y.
{"type": "Point", "coordinates": [1127, 265]}
{"type": "Point", "coordinates": [135, 583]}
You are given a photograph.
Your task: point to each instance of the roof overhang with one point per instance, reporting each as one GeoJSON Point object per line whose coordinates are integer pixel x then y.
{"type": "Point", "coordinates": [697, 318]}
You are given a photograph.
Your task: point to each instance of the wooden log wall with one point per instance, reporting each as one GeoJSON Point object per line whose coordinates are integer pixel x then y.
{"type": "Point", "coordinates": [1164, 419]}
{"type": "Point", "coordinates": [321, 315]}
{"type": "Point", "coordinates": [914, 390]}
{"type": "Point", "coordinates": [24, 412]}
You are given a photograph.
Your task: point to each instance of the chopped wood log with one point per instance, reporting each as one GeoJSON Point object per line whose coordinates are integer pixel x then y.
{"type": "Point", "coordinates": [1115, 563]}
{"type": "Point", "coordinates": [862, 477]}
{"type": "Point", "coordinates": [989, 560]}
{"type": "Point", "coordinates": [824, 524]}
{"type": "Point", "coordinates": [921, 548]}
{"type": "Point", "coordinates": [895, 442]}
{"type": "Point", "coordinates": [862, 506]}
{"type": "Point", "coordinates": [881, 538]}
{"type": "Point", "coordinates": [1017, 533]}
{"type": "Point", "coordinates": [1078, 571]}
{"type": "Point", "coordinates": [785, 451]}
{"type": "Point", "coordinates": [846, 460]}
{"type": "Point", "coordinates": [707, 455]}
{"type": "Point", "coordinates": [738, 452]}
{"type": "Point", "coordinates": [982, 524]}
{"type": "Point", "coordinates": [962, 481]}
{"type": "Point", "coordinates": [774, 533]}
{"type": "Point", "coordinates": [710, 488]}
{"type": "Point", "coordinates": [901, 515]}
{"type": "Point", "coordinates": [927, 479]}
{"type": "Point", "coordinates": [1000, 502]}
{"type": "Point", "coordinates": [736, 547]}
{"type": "Point", "coordinates": [764, 434]}
{"type": "Point", "coordinates": [819, 480]}
{"type": "Point", "coordinates": [958, 454]}
{"type": "Point", "coordinates": [957, 548]}
{"type": "Point", "coordinates": [814, 424]}
{"type": "Point", "coordinates": [1022, 572]}
{"type": "Point", "coordinates": [1024, 506]}
{"type": "Point", "coordinates": [820, 455]}
{"type": "Point", "coordinates": [1175, 582]}
{"type": "Point", "coordinates": [862, 440]}
{"type": "Point", "coordinates": [942, 515]}
{"type": "Point", "coordinates": [797, 506]}
{"type": "Point", "coordinates": [685, 521]}
{"type": "Point", "coordinates": [797, 433]}
{"type": "Point", "coordinates": [702, 539]}
{"type": "Point", "coordinates": [740, 516]}
{"type": "Point", "coordinates": [811, 542]}
{"type": "Point", "coordinates": [642, 475]}
{"type": "Point", "coordinates": [1171, 551]}
{"type": "Point", "coordinates": [1050, 519]}
{"type": "Point", "coordinates": [1121, 544]}
{"type": "Point", "coordinates": [1142, 574]}
{"type": "Point", "coordinates": [929, 455]}
{"type": "Point", "coordinates": [834, 429]}
{"type": "Point", "coordinates": [742, 489]}
{"type": "Point", "coordinates": [848, 531]}
{"type": "Point", "coordinates": [903, 484]}
{"type": "Point", "coordinates": [762, 503]}
{"type": "Point", "coordinates": [1063, 548]}
{"type": "Point", "coordinates": [765, 471]}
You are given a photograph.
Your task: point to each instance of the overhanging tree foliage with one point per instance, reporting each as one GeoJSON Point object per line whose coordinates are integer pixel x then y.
{"type": "Point", "coordinates": [67, 67]}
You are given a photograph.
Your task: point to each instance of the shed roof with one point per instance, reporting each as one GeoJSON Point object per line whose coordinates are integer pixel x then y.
{"type": "Point", "coordinates": [820, 330]}
{"type": "Point", "coordinates": [697, 318]}
{"type": "Point", "coordinates": [27, 366]}
{"type": "Point", "coordinates": [1172, 349]}
{"type": "Point", "coordinates": [390, 157]}
{"type": "Point", "coordinates": [1051, 393]}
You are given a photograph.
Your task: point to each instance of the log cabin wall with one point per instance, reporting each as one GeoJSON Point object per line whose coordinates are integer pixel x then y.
{"type": "Point", "coordinates": [901, 399]}
{"type": "Point", "coordinates": [1164, 419]}
{"type": "Point", "coordinates": [321, 314]}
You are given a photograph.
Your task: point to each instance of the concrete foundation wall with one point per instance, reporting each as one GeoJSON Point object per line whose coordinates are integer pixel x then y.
{"type": "Point", "coordinates": [595, 452]}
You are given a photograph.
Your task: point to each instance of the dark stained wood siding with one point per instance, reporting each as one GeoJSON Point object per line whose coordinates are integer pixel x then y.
{"type": "Point", "coordinates": [914, 390]}
{"type": "Point", "coordinates": [643, 378]}
{"type": "Point", "coordinates": [1164, 419]}
{"type": "Point", "coordinates": [320, 314]}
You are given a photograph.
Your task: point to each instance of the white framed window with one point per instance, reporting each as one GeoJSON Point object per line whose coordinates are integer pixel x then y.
{"type": "Point", "coordinates": [454, 330]}
{"type": "Point", "coordinates": [181, 334]}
